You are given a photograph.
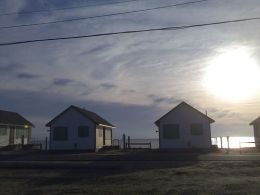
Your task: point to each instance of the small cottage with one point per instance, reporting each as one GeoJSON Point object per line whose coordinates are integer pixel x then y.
{"type": "Point", "coordinates": [79, 129]}
{"type": "Point", "coordinates": [256, 125]}
{"type": "Point", "coordinates": [14, 129]}
{"type": "Point", "coordinates": [184, 127]}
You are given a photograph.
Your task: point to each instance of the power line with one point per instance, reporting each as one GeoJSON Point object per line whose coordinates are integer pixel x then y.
{"type": "Point", "coordinates": [129, 32]}
{"type": "Point", "coordinates": [66, 8]}
{"type": "Point", "coordinates": [99, 16]}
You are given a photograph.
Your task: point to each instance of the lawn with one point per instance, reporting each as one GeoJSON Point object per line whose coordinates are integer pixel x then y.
{"type": "Point", "coordinates": [137, 178]}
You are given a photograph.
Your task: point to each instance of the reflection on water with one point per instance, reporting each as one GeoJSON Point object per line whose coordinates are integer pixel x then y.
{"type": "Point", "coordinates": [234, 142]}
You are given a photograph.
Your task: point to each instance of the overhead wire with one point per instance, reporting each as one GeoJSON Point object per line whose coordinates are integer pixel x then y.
{"type": "Point", "coordinates": [66, 8]}
{"type": "Point", "coordinates": [100, 16]}
{"type": "Point", "coordinates": [171, 28]}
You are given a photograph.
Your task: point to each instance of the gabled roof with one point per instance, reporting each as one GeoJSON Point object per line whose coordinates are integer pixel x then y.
{"type": "Point", "coordinates": [185, 104]}
{"type": "Point", "coordinates": [13, 118]}
{"type": "Point", "coordinates": [257, 120]}
{"type": "Point", "coordinates": [86, 113]}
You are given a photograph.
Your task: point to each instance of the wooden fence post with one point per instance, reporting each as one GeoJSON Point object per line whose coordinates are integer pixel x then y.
{"type": "Point", "coordinates": [128, 141]}
{"type": "Point", "coordinates": [46, 143]}
{"type": "Point", "coordinates": [23, 140]}
{"type": "Point", "coordinates": [221, 143]}
{"type": "Point", "coordinates": [123, 139]}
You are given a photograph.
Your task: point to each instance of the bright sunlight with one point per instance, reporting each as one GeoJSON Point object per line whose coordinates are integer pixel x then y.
{"type": "Point", "coordinates": [233, 75]}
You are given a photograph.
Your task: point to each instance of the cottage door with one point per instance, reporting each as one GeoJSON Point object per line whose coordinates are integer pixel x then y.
{"type": "Point", "coordinates": [11, 135]}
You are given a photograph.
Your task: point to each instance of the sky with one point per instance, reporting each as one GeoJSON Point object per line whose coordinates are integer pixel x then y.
{"type": "Point", "coordinates": [133, 79]}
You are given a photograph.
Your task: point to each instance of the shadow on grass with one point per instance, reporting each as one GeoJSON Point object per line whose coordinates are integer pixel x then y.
{"type": "Point", "coordinates": [104, 166]}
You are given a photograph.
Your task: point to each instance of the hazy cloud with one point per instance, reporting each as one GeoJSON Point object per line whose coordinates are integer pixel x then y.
{"type": "Point", "coordinates": [27, 76]}
{"type": "Point", "coordinates": [167, 100]}
{"type": "Point", "coordinates": [108, 85]}
{"type": "Point", "coordinates": [9, 67]}
{"type": "Point", "coordinates": [62, 81]}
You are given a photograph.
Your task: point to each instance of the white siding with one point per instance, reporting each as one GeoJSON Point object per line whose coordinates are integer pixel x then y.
{"type": "Point", "coordinates": [72, 120]}
{"type": "Point", "coordinates": [4, 139]}
{"type": "Point", "coordinates": [184, 117]}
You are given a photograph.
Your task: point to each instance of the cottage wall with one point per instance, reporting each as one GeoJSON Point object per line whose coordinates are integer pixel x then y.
{"type": "Point", "coordinates": [185, 116]}
{"type": "Point", "coordinates": [72, 120]}
{"type": "Point", "coordinates": [257, 134]}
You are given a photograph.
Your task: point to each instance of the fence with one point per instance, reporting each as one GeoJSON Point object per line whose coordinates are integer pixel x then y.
{"type": "Point", "coordinates": [43, 143]}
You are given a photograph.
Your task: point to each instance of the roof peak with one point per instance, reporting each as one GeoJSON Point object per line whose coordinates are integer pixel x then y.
{"type": "Point", "coordinates": [257, 120]}
{"type": "Point", "coordinates": [186, 104]}
{"type": "Point", "coordinates": [87, 113]}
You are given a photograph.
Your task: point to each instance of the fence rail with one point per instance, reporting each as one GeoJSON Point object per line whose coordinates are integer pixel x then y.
{"type": "Point", "coordinates": [139, 144]}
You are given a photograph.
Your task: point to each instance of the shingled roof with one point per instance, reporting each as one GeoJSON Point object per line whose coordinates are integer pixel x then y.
{"type": "Point", "coordinates": [88, 114]}
{"type": "Point", "coordinates": [13, 118]}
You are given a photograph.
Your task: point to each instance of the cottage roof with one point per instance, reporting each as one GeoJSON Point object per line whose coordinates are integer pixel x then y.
{"type": "Point", "coordinates": [256, 121]}
{"type": "Point", "coordinates": [13, 118]}
{"type": "Point", "coordinates": [86, 113]}
{"type": "Point", "coordinates": [185, 104]}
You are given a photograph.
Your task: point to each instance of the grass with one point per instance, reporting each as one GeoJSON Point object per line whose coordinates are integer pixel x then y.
{"type": "Point", "coordinates": [199, 178]}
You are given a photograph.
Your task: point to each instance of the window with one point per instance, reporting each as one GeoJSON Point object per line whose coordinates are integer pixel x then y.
{"type": "Point", "coordinates": [3, 130]}
{"type": "Point", "coordinates": [83, 131]}
{"type": "Point", "coordinates": [20, 132]}
{"type": "Point", "coordinates": [60, 133]}
{"type": "Point", "coordinates": [171, 131]}
{"type": "Point", "coordinates": [196, 129]}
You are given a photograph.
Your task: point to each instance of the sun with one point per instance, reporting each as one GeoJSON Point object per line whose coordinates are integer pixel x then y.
{"type": "Point", "coordinates": [233, 75]}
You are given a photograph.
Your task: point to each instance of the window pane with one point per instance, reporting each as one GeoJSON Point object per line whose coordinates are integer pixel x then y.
{"type": "Point", "coordinates": [60, 133]}
{"type": "Point", "coordinates": [83, 131]}
{"type": "Point", "coordinates": [171, 131]}
{"type": "Point", "coordinates": [3, 130]}
{"type": "Point", "coordinates": [196, 129]}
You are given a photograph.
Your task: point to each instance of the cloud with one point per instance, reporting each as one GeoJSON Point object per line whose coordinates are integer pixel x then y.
{"type": "Point", "coordinates": [166, 100]}
{"type": "Point", "coordinates": [223, 113]}
{"type": "Point", "coordinates": [96, 49]}
{"type": "Point", "coordinates": [27, 76]}
{"type": "Point", "coordinates": [6, 68]}
{"type": "Point", "coordinates": [62, 81]}
{"type": "Point", "coordinates": [108, 86]}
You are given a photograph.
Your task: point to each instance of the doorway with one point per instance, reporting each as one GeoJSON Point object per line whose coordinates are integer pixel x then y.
{"type": "Point", "coordinates": [11, 136]}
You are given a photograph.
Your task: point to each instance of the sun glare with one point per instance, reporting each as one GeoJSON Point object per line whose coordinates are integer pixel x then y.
{"type": "Point", "coordinates": [233, 75]}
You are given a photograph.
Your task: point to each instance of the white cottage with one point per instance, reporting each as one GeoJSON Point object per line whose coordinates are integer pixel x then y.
{"type": "Point", "coordinates": [14, 129]}
{"type": "Point", "coordinates": [184, 127]}
{"type": "Point", "coordinates": [256, 125]}
{"type": "Point", "coordinates": [79, 129]}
